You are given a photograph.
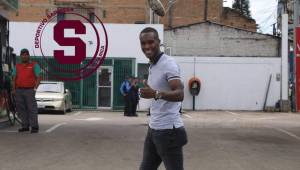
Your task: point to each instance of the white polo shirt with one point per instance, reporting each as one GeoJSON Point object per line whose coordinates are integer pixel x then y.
{"type": "Point", "coordinates": [164, 114]}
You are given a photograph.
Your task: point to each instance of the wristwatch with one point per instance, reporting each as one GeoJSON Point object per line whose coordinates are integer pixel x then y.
{"type": "Point", "coordinates": [157, 95]}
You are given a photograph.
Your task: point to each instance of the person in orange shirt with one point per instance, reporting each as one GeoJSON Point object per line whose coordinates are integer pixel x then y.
{"type": "Point", "coordinates": [26, 78]}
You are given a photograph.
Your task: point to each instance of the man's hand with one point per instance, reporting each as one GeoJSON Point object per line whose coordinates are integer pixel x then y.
{"type": "Point", "coordinates": [147, 92]}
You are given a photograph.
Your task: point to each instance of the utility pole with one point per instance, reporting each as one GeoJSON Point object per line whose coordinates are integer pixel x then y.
{"type": "Point", "coordinates": [170, 19]}
{"type": "Point", "coordinates": [284, 81]}
{"type": "Point", "coordinates": [205, 10]}
{"type": "Point", "coordinates": [296, 13]}
{"type": "Point", "coordinates": [274, 29]}
{"type": "Point", "coordinates": [241, 6]}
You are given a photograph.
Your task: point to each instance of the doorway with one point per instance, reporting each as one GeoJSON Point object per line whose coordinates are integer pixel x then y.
{"type": "Point", "coordinates": [105, 84]}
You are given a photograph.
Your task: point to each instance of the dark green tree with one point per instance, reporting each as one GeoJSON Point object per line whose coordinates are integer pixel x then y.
{"type": "Point", "coordinates": [243, 6]}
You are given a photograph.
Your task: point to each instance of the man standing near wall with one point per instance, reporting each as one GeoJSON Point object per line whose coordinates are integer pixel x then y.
{"type": "Point", "coordinates": [26, 78]}
{"type": "Point", "coordinates": [124, 89]}
{"type": "Point", "coordinates": [166, 134]}
{"type": "Point", "coordinates": [134, 95]}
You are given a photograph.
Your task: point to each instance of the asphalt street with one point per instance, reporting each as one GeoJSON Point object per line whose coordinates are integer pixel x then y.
{"type": "Point", "coordinates": [100, 140]}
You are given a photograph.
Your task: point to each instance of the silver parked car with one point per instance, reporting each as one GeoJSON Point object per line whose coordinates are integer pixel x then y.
{"type": "Point", "coordinates": [52, 95]}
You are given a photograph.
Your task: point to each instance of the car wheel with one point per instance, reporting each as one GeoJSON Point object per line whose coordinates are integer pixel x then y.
{"type": "Point", "coordinates": [64, 110]}
{"type": "Point", "coordinates": [70, 108]}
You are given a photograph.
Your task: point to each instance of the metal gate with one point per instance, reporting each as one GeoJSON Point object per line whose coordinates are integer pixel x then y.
{"type": "Point", "coordinates": [85, 92]}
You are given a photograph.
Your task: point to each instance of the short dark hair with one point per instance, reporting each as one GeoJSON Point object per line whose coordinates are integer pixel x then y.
{"type": "Point", "coordinates": [129, 77]}
{"type": "Point", "coordinates": [24, 51]}
{"type": "Point", "coordinates": [150, 29]}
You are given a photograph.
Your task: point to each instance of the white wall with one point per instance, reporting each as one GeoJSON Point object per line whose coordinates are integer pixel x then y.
{"type": "Point", "coordinates": [231, 83]}
{"type": "Point", "coordinates": [228, 83]}
{"type": "Point", "coordinates": [123, 39]}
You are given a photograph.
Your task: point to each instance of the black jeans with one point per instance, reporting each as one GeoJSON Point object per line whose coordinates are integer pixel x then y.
{"type": "Point", "coordinates": [164, 146]}
{"type": "Point", "coordinates": [128, 105]}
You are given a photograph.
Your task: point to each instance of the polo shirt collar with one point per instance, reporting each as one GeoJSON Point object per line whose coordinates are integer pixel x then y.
{"type": "Point", "coordinates": [157, 59]}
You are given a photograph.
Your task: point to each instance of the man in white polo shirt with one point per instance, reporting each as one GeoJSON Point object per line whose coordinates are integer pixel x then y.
{"type": "Point", "coordinates": [166, 134]}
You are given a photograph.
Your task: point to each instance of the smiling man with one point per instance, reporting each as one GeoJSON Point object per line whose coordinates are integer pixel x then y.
{"type": "Point", "coordinates": [166, 134]}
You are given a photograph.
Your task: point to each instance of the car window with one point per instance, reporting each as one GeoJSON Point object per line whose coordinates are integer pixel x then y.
{"type": "Point", "coordinates": [55, 88]}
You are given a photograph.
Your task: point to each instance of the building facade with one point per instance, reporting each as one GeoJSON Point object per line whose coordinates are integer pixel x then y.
{"type": "Point", "coordinates": [100, 90]}
{"type": "Point", "coordinates": [179, 12]}
{"type": "Point", "coordinates": [232, 60]}
{"type": "Point", "coordinates": [233, 65]}
{"type": "Point", "coordinates": [216, 40]}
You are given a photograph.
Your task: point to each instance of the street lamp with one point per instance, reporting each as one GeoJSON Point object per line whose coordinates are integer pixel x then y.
{"type": "Point", "coordinates": [158, 8]}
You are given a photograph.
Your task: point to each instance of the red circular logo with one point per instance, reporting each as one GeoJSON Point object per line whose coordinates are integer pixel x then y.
{"type": "Point", "coordinates": [65, 45]}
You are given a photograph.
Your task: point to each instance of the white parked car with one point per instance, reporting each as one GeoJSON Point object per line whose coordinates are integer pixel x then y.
{"type": "Point", "coordinates": [52, 95]}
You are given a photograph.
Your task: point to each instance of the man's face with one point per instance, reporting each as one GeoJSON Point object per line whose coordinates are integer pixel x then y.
{"type": "Point", "coordinates": [150, 45]}
{"type": "Point", "coordinates": [25, 57]}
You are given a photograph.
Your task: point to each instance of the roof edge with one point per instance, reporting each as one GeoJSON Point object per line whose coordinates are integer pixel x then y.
{"type": "Point", "coordinates": [215, 23]}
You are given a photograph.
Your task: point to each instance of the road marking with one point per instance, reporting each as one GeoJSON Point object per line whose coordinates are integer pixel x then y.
{"type": "Point", "coordinates": [266, 118]}
{"type": "Point", "coordinates": [188, 116]}
{"type": "Point", "coordinates": [235, 114]}
{"type": "Point", "coordinates": [76, 114]}
{"type": "Point", "coordinates": [54, 127]}
{"type": "Point", "coordinates": [92, 119]}
{"type": "Point", "coordinates": [8, 131]}
{"type": "Point", "coordinates": [288, 133]}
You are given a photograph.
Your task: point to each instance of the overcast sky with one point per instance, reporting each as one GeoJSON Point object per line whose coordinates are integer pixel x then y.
{"type": "Point", "coordinates": [263, 11]}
